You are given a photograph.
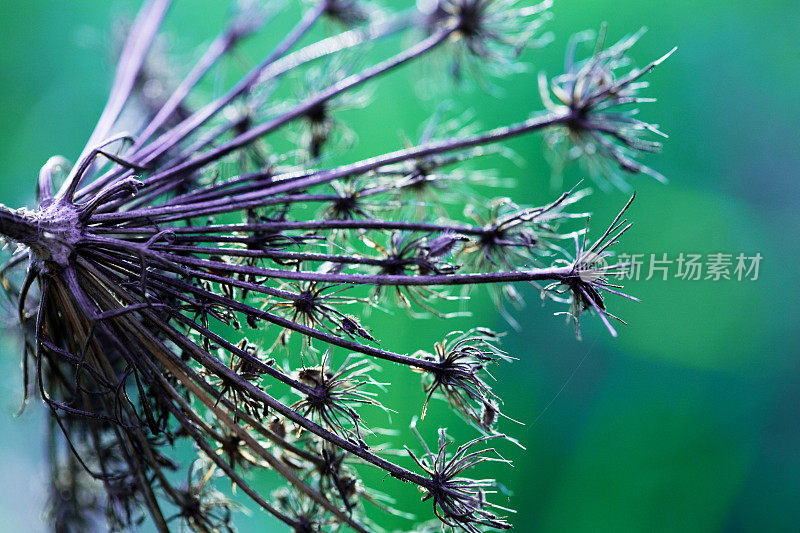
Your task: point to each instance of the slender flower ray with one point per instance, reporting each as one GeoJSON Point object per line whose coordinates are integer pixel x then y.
{"type": "Point", "coordinates": [291, 414]}
{"type": "Point", "coordinates": [142, 34]}
{"type": "Point", "coordinates": [221, 45]}
{"type": "Point", "coordinates": [270, 69]}
{"type": "Point", "coordinates": [245, 83]}
{"type": "Point", "coordinates": [342, 86]}
{"type": "Point", "coordinates": [292, 182]}
{"type": "Point", "coordinates": [272, 461]}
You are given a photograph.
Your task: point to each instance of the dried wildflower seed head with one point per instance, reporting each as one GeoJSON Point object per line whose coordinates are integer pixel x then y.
{"type": "Point", "coordinates": [600, 99]}
{"type": "Point", "coordinates": [516, 237]}
{"type": "Point", "coordinates": [236, 451]}
{"type": "Point", "coordinates": [306, 517]}
{"type": "Point", "coordinates": [321, 131]}
{"type": "Point", "coordinates": [485, 36]}
{"type": "Point", "coordinates": [459, 501]}
{"type": "Point", "coordinates": [349, 13]}
{"type": "Point", "coordinates": [329, 396]}
{"type": "Point", "coordinates": [351, 202]}
{"type": "Point", "coordinates": [145, 262]}
{"type": "Point", "coordinates": [201, 506]}
{"type": "Point", "coordinates": [589, 274]}
{"type": "Point", "coordinates": [459, 371]}
{"type": "Point", "coordinates": [315, 304]}
{"type": "Point", "coordinates": [495, 30]}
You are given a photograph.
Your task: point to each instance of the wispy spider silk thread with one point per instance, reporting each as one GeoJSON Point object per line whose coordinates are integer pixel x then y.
{"type": "Point", "coordinates": [136, 303]}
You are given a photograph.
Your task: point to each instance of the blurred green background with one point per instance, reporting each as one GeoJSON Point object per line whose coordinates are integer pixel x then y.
{"type": "Point", "coordinates": [689, 421]}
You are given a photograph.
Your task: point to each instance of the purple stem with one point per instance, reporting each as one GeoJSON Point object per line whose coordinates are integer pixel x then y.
{"type": "Point", "coordinates": [332, 91]}
{"type": "Point", "coordinates": [289, 182]}
{"type": "Point", "coordinates": [176, 134]}
{"type": "Point", "coordinates": [140, 38]}
{"type": "Point", "coordinates": [304, 225]}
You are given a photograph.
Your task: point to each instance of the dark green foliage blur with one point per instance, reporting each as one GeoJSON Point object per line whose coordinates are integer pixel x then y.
{"type": "Point", "coordinates": [690, 420]}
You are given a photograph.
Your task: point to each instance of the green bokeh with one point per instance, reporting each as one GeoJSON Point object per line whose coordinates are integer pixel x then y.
{"type": "Point", "coordinates": [686, 422]}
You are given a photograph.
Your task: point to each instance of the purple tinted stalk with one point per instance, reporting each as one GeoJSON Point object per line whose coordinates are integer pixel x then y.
{"type": "Point", "coordinates": [323, 48]}
{"type": "Point", "coordinates": [273, 70]}
{"type": "Point", "coordinates": [336, 89]}
{"type": "Point", "coordinates": [220, 46]}
{"type": "Point", "coordinates": [223, 371]}
{"type": "Point", "coordinates": [271, 254]}
{"type": "Point", "coordinates": [164, 284]}
{"type": "Point", "coordinates": [309, 225]}
{"type": "Point", "coordinates": [538, 274]}
{"type": "Point", "coordinates": [286, 182]}
{"type": "Point", "coordinates": [140, 38]}
{"type": "Point", "coordinates": [192, 123]}
{"type": "Point", "coordinates": [16, 227]}
{"type": "Point", "coordinates": [168, 389]}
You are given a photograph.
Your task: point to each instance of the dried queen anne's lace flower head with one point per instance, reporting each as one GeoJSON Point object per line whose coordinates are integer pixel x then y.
{"type": "Point", "coordinates": [461, 361]}
{"type": "Point", "coordinates": [187, 283]}
{"type": "Point", "coordinates": [603, 130]}
{"type": "Point", "coordinates": [488, 35]}
{"type": "Point", "coordinates": [460, 502]}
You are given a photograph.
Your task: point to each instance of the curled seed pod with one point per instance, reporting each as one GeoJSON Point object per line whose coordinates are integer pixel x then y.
{"type": "Point", "coordinates": [442, 245]}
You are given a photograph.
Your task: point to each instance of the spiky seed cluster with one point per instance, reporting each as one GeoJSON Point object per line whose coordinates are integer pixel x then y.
{"type": "Point", "coordinates": [488, 34]}
{"type": "Point", "coordinates": [603, 130]}
{"type": "Point", "coordinates": [590, 272]}
{"type": "Point", "coordinates": [461, 361]}
{"type": "Point", "coordinates": [163, 282]}
{"type": "Point", "coordinates": [201, 506]}
{"type": "Point", "coordinates": [349, 13]}
{"type": "Point", "coordinates": [329, 396]}
{"type": "Point", "coordinates": [460, 502]}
